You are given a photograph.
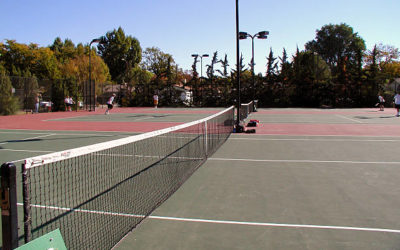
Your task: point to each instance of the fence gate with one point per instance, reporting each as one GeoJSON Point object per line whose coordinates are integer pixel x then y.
{"type": "Point", "coordinates": [89, 95]}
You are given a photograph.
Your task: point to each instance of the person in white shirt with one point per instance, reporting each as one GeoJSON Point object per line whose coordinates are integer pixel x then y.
{"type": "Point", "coordinates": [110, 104]}
{"type": "Point", "coordinates": [397, 103]}
{"type": "Point", "coordinates": [381, 103]}
{"type": "Point", "coordinates": [37, 103]}
{"type": "Point", "coordinates": [69, 102]}
{"type": "Point", "coordinates": [155, 100]}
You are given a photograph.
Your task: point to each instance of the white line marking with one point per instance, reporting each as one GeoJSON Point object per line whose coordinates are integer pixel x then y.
{"type": "Point", "coordinates": [24, 150]}
{"type": "Point", "coordinates": [311, 139]}
{"type": "Point", "coordinates": [306, 161]}
{"type": "Point", "coordinates": [54, 134]}
{"type": "Point", "coordinates": [67, 117]}
{"type": "Point", "coordinates": [26, 139]}
{"type": "Point", "coordinates": [143, 118]}
{"type": "Point", "coordinates": [342, 116]}
{"type": "Point", "coordinates": [246, 223]}
{"type": "Point", "coordinates": [31, 138]}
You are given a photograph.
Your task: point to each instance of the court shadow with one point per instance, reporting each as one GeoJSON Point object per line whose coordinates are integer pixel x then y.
{"type": "Point", "coordinates": [28, 140]}
{"type": "Point", "coordinates": [368, 118]}
{"type": "Point", "coordinates": [50, 139]}
{"type": "Point", "coordinates": [363, 117]}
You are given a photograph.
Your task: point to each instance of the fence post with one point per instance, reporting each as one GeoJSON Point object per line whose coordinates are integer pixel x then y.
{"type": "Point", "coordinates": [9, 217]}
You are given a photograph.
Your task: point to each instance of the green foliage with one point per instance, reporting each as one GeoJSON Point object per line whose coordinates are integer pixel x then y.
{"type": "Point", "coordinates": [156, 61]}
{"type": "Point", "coordinates": [333, 70]}
{"type": "Point", "coordinates": [119, 52]}
{"type": "Point", "coordinates": [338, 45]}
{"type": "Point", "coordinates": [19, 59]}
{"type": "Point", "coordinates": [58, 93]}
{"type": "Point", "coordinates": [272, 66]}
{"type": "Point", "coordinates": [8, 103]}
{"type": "Point", "coordinates": [225, 65]}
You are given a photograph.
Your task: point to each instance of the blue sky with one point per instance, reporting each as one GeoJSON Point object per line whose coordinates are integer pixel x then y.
{"type": "Point", "coordinates": [185, 27]}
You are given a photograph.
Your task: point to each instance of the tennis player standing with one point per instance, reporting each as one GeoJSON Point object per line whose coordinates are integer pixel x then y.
{"type": "Point", "coordinates": [110, 104]}
{"type": "Point", "coordinates": [155, 100]}
{"type": "Point", "coordinates": [381, 102]}
{"type": "Point", "coordinates": [397, 103]}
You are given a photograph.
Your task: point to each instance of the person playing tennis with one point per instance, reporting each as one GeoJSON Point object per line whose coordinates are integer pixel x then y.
{"type": "Point", "coordinates": [110, 104]}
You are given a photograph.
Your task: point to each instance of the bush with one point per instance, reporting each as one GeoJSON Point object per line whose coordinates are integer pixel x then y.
{"type": "Point", "coordinates": [8, 103]}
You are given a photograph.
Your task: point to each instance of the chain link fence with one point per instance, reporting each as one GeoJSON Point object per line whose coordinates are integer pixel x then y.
{"type": "Point", "coordinates": [42, 95]}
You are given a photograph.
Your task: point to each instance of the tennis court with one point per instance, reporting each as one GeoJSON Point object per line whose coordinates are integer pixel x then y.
{"type": "Point", "coordinates": [308, 179]}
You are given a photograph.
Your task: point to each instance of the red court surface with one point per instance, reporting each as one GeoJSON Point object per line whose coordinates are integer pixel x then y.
{"type": "Point", "coordinates": [45, 121]}
{"type": "Point", "coordinates": [353, 124]}
{"type": "Point", "coordinates": [330, 129]}
{"type": "Point", "coordinates": [352, 127]}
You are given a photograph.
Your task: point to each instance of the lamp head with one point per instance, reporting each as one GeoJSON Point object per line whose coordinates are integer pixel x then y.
{"type": "Point", "coordinates": [96, 40]}
{"type": "Point", "coordinates": [243, 35]}
{"type": "Point", "coordinates": [262, 35]}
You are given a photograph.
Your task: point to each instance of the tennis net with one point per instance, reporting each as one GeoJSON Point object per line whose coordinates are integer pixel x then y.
{"type": "Point", "coordinates": [97, 194]}
{"type": "Point", "coordinates": [246, 109]}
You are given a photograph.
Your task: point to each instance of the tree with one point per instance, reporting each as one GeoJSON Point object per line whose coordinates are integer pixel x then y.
{"type": "Point", "coordinates": [119, 52]}
{"type": "Point", "coordinates": [225, 65]}
{"type": "Point", "coordinates": [194, 66]}
{"type": "Point", "coordinates": [19, 59]}
{"type": "Point", "coordinates": [210, 75]}
{"type": "Point", "coordinates": [338, 45]}
{"type": "Point", "coordinates": [77, 68]}
{"type": "Point", "coordinates": [63, 51]}
{"type": "Point", "coordinates": [8, 103]}
{"type": "Point", "coordinates": [382, 60]}
{"type": "Point", "coordinates": [156, 61]}
{"type": "Point", "coordinates": [272, 66]}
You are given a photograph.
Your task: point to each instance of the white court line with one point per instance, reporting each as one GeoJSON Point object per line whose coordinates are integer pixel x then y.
{"type": "Point", "coordinates": [306, 161]}
{"type": "Point", "coordinates": [143, 118]}
{"type": "Point", "coordinates": [312, 139]}
{"type": "Point", "coordinates": [342, 116]}
{"type": "Point", "coordinates": [31, 138]}
{"type": "Point", "coordinates": [67, 117]}
{"type": "Point", "coordinates": [227, 222]}
{"type": "Point", "coordinates": [24, 150]}
{"type": "Point", "coordinates": [38, 133]}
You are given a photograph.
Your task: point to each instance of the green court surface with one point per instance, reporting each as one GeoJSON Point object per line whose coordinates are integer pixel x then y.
{"type": "Point", "coordinates": [266, 191]}
{"type": "Point", "coordinates": [126, 117]}
{"type": "Point", "coordinates": [16, 145]}
{"type": "Point", "coordinates": [284, 192]}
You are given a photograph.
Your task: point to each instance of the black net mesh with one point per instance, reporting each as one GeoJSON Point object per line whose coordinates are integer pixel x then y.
{"type": "Point", "coordinates": [96, 195]}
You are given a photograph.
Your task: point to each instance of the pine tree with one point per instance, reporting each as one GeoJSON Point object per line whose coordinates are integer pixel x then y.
{"type": "Point", "coordinates": [8, 103]}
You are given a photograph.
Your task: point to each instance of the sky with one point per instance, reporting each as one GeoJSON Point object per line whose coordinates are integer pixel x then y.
{"type": "Point", "coordinates": [185, 27]}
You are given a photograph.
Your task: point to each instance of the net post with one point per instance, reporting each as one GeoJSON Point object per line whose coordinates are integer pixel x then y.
{"type": "Point", "coordinates": [27, 205]}
{"type": "Point", "coordinates": [9, 216]}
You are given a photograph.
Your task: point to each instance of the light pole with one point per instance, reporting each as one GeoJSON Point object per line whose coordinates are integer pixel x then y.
{"type": "Point", "coordinates": [96, 40]}
{"type": "Point", "coordinates": [238, 127]}
{"type": "Point", "coordinates": [201, 64]}
{"type": "Point", "coordinates": [259, 35]}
